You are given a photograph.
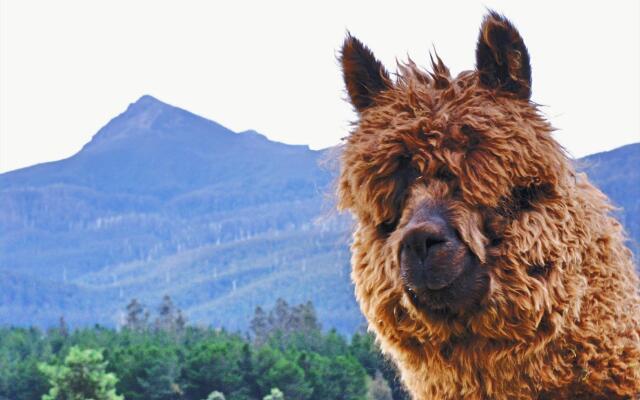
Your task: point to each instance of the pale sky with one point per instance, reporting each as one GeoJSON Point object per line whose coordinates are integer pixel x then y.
{"type": "Point", "coordinates": [68, 67]}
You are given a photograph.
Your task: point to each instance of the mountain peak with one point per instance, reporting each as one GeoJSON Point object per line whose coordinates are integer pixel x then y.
{"type": "Point", "coordinates": [137, 119]}
{"type": "Point", "coordinates": [151, 119]}
{"type": "Point", "coordinates": [149, 116]}
{"type": "Point", "coordinates": [146, 102]}
{"type": "Point", "coordinates": [147, 98]}
{"type": "Point", "coordinates": [148, 106]}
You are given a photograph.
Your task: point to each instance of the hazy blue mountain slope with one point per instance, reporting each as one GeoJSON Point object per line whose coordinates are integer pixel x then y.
{"type": "Point", "coordinates": [29, 300]}
{"type": "Point", "coordinates": [162, 201]}
{"type": "Point", "coordinates": [617, 173]}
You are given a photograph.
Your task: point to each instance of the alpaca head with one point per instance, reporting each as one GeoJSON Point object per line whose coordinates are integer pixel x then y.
{"type": "Point", "coordinates": [461, 197]}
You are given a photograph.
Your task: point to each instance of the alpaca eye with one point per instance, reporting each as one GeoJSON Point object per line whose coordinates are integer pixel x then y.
{"type": "Point", "coordinates": [523, 198]}
{"type": "Point", "coordinates": [538, 271]}
{"type": "Point", "coordinates": [468, 130]}
{"type": "Point", "coordinates": [473, 137]}
{"type": "Point", "coordinates": [444, 174]}
{"type": "Point", "coordinates": [386, 228]}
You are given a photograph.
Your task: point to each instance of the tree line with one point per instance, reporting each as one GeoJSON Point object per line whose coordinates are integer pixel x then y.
{"type": "Point", "coordinates": [285, 355]}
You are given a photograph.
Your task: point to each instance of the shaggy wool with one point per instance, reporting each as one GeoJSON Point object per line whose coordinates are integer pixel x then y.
{"type": "Point", "coordinates": [560, 316]}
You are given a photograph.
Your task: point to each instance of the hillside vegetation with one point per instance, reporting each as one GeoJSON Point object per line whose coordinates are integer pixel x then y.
{"type": "Point", "coordinates": [156, 356]}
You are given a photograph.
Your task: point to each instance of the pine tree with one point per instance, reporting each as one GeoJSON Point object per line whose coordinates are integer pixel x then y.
{"type": "Point", "coordinates": [275, 394]}
{"type": "Point", "coordinates": [280, 317]}
{"type": "Point", "coordinates": [170, 318]}
{"type": "Point", "coordinates": [306, 318]}
{"type": "Point", "coordinates": [259, 326]}
{"type": "Point", "coordinates": [63, 329]}
{"type": "Point", "coordinates": [167, 315]}
{"type": "Point", "coordinates": [181, 321]}
{"type": "Point", "coordinates": [137, 318]}
{"type": "Point", "coordinates": [82, 376]}
{"type": "Point", "coordinates": [215, 395]}
{"type": "Point", "coordinates": [160, 382]}
{"type": "Point", "coordinates": [247, 367]}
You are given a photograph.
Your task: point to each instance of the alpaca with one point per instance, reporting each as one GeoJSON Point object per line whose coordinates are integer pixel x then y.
{"type": "Point", "coordinates": [486, 266]}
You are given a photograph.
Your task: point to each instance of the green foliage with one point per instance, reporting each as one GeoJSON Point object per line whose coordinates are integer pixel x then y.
{"type": "Point", "coordinates": [215, 395]}
{"type": "Point", "coordinates": [82, 376]}
{"type": "Point", "coordinates": [21, 350]}
{"type": "Point", "coordinates": [348, 378]}
{"type": "Point", "coordinates": [275, 394]}
{"type": "Point", "coordinates": [214, 364]}
{"type": "Point", "coordinates": [148, 368]}
{"type": "Point", "coordinates": [159, 380]}
{"type": "Point", "coordinates": [25, 381]}
{"type": "Point", "coordinates": [275, 368]}
{"type": "Point", "coordinates": [293, 355]}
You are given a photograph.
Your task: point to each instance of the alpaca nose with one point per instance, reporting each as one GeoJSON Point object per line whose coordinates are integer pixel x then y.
{"type": "Point", "coordinates": [419, 242]}
{"type": "Point", "coordinates": [430, 253]}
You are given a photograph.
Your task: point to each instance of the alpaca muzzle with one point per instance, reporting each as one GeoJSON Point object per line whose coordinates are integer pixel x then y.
{"type": "Point", "coordinates": [431, 255]}
{"type": "Point", "coordinates": [438, 270]}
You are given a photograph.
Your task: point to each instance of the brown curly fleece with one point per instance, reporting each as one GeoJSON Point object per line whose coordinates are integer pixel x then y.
{"type": "Point", "coordinates": [556, 310]}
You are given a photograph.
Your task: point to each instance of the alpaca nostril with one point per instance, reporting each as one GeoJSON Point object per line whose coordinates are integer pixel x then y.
{"type": "Point", "coordinates": [431, 242]}
{"type": "Point", "coordinates": [419, 243]}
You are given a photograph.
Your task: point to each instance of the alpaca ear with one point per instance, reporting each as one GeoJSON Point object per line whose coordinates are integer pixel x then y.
{"type": "Point", "coordinates": [502, 59]}
{"type": "Point", "coordinates": [364, 75]}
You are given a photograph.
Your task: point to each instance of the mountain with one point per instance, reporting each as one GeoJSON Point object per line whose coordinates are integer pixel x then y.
{"type": "Point", "coordinates": [617, 173]}
{"type": "Point", "coordinates": [162, 201]}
